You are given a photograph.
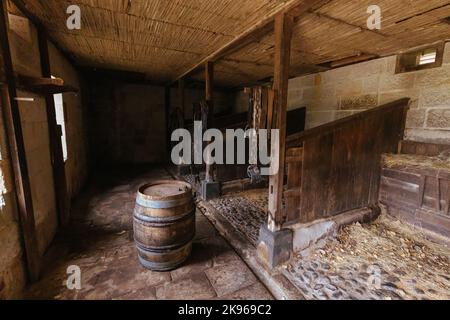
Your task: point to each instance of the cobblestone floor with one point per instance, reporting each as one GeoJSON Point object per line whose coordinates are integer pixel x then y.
{"type": "Point", "coordinates": [382, 260]}
{"type": "Point", "coordinates": [100, 242]}
{"type": "Point", "coordinates": [246, 211]}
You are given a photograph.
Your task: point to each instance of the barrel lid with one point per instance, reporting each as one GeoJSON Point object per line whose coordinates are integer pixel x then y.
{"type": "Point", "coordinates": [166, 189]}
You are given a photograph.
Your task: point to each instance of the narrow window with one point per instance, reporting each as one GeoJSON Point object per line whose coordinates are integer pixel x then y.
{"type": "Point", "coordinates": [421, 59]}
{"type": "Point", "coordinates": [60, 120]}
{"type": "Point", "coordinates": [3, 190]}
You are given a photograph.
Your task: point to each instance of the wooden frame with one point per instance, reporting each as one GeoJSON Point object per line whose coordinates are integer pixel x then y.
{"type": "Point", "coordinates": [402, 65]}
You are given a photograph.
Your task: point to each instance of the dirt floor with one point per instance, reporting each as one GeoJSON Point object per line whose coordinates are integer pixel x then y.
{"type": "Point", "coordinates": [100, 242]}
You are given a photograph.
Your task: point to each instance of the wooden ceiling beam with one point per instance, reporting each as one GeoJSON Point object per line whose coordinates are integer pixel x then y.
{"type": "Point", "coordinates": [294, 8]}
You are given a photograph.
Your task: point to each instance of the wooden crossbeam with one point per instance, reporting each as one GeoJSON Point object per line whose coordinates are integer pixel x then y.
{"type": "Point", "coordinates": [294, 8]}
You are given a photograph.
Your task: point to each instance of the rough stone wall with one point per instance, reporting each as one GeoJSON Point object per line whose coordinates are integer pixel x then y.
{"type": "Point", "coordinates": [12, 273]}
{"type": "Point", "coordinates": [223, 100]}
{"type": "Point", "coordinates": [26, 61]}
{"type": "Point", "coordinates": [127, 123]}
{"type": "Point", "coordinates": [341, 92]}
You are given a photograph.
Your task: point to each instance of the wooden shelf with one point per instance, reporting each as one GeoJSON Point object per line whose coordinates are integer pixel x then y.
{"type": "Point", "coordinates": [42, 86]}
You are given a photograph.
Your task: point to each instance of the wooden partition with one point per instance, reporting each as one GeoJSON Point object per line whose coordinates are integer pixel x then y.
{"type": "Point", "coordinates": [341, 161]}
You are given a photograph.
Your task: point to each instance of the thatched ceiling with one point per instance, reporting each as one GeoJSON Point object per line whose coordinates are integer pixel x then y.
{"type": "Point", "coordinates": [164, 38]}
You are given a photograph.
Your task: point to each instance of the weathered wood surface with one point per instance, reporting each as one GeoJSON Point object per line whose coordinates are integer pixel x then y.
{"type": "Point", "coordinates": [417, 194]}
{"type": "Point", "coordinates": [422, 148]}
{"type": "Point", "coordinates": [292, 194]}
{"type": "Point", "coordinates": [341, 161]}
{"type": "Point", "coordinates": [283, 38]}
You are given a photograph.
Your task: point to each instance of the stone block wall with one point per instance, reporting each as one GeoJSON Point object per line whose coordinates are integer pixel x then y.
{"type": "Point", "coordinates": [12, 273]}
{"type": "Point", "coordinates": [344, 91]}
{"type": "Point", "coordinates": [77, 165]}
{"type": "Point", "coordinates": [223, 100]}
{"type": "Point", "coordinates": [127, 123]}
{"type": "Point", "coordinates": [26, 61]}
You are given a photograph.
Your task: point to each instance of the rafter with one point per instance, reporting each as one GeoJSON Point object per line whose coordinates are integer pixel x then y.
{"type": "Point", "coordinates": [294, 8]}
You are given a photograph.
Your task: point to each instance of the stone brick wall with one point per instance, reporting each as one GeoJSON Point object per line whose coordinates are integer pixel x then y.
{"type": "Point", "coordinates": [223, 100]}
{"type": "Point", "coordinates": [76, 166]}
{"type": "Point", "coordinates": [26, 61]}
{"type": "Point", "coordinates": [341, 92]}
{"type": "Point", "coordinates": [128, 120]}
{"type": "Point", "coordinates": [12, 273]}
{"type": "Point", "coordinates": [127, 123]}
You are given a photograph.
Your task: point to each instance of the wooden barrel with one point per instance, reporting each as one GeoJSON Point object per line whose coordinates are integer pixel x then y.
{"type": "Point", "coordinates": [164, 224]}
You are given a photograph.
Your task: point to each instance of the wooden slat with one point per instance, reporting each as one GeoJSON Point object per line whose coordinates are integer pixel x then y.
{"type": "Point", "coordinates": [13, 122]}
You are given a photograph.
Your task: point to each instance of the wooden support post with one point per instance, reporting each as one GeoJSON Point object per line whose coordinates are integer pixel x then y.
{"type": "Point", "coordinates": [18, 157]}
{"type": "Point", "coordinates": [283, 36]}
{"type": "Point", "coordinates": [59, 173]}
{"type": "Point", "coordinates": [209, 80]}
{"type": "Point", "coordinates": [210, 187]}
{"type": "Point", "coordinates": [182, 101]}
{"type": "Point", "coordinates": [167, 121]}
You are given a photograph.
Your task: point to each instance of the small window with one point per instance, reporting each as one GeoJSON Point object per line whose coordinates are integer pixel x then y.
{"type": "Point", "coordinates": [425, 58]}
{"type": "Point", "coordinates": [60, 120]}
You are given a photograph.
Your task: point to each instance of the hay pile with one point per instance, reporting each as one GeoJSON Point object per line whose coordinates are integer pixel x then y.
{"type": "Point", "coordinates": [395, 160]}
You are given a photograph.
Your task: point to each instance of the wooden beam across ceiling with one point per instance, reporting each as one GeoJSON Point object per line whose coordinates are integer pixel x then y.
{"type": "Point", "coordinates": [294, 8]}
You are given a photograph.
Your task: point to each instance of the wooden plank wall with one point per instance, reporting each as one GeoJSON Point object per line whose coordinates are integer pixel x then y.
{"type": "Point", "coordinates": [341, 161]}
{"type": "Point", "coordinates": [418, 195]}
{"type": "Point", "coordinates": [422, 148]}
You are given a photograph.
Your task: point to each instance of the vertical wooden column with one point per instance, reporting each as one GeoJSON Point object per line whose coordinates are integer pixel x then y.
{"type": "Point", "coordinates": [209, 82]}
{"type": "Point", "coordinates": [182, 101]}
{"type": "Point", "coordinates": [18, 157]}
{"type": "Point", "coordinates": [283, 36]}
{"type": "Point", "coordinates": [167, 120]}
{"type": "Point", "coordinates": [54, 133]}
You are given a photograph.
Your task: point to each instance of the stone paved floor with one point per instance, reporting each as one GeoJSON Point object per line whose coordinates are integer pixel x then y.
{"type": "Point", "coordinates": [100, 242]}
{"type": "Point", "coordinates": [383, 260]}
{"type": "Point", "coordinates": [246, 211]}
